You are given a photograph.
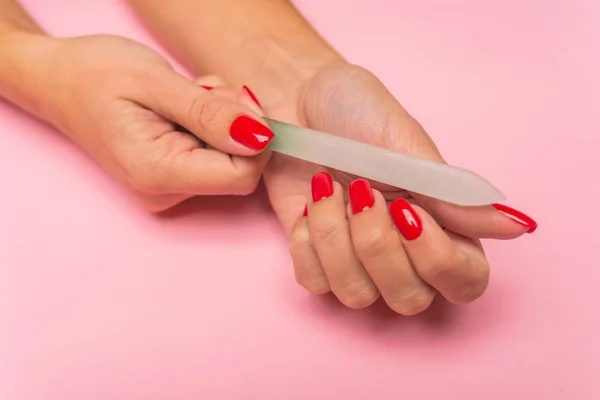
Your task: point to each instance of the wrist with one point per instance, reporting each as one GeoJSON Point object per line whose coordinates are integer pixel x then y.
{"type": "Point", "coordinates": [23, 56]}
{"type": "Point", "coordinates": [264, 44]}
{"type": "Point", "coordinates": [277, 71]}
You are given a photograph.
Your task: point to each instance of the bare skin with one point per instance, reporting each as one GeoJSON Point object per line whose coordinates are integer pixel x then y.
{"type": "Point", "coordinates": [124, 104]}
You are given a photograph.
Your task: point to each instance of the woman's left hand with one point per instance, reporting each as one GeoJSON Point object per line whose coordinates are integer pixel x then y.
{"type": "Point", "coordinates": [406, 253]}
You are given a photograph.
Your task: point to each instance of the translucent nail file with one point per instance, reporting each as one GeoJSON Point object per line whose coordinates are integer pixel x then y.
{"type": "Point", "coordinates": [441, 181]}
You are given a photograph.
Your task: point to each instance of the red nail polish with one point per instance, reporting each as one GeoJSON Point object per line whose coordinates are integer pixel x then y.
{"type": "Point", "coordinates": [252, 96]}
{"type": "Point", "coordinates": [518, 217]}
{"type": "Point", "coordinates": [250, 133]}
{"type": "Point", "coordinates": [406, 219]}
{"type": "Point", "coordinates": [322, 186]}
{"type": "Point", "coordinates": [305, 213]}
{"type": "Point", "coordinates": [361, 196]}
{"type": "Point", "coordinates": [207, 87]}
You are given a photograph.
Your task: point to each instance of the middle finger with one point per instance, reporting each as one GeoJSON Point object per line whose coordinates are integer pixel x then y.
{"type": "Point", "coordinates": [330, 237]}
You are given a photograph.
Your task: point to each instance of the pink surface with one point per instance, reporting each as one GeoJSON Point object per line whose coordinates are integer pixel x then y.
{"type": "Point", "coordinates": [99, 300]}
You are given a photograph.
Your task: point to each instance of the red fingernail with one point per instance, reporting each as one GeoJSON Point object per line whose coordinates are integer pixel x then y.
{"type": "Point", "coordinates": [305, 213]}
{"type": "Point", "coordinates": [361, 196]}
{"type": "Point", "coordinates": [207, 87]}
{"type": "Point", "coordinates": [518, 217]}
{"type": "Point", "coordinates": [250, 133]}
{"type": "Point", "coordinates": [322, 186]}
{"type": "Point", "coordinates": [252, 96]}
{"type": "Point", "coordinates": [406, 219]}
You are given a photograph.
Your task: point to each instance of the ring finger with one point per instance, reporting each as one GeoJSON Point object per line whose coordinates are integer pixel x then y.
{"type": "Point", "coordinates": [380, 249]}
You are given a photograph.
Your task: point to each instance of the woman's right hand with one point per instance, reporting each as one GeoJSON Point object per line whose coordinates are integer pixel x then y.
{"type": "Point", "coordinates": [125, 105]}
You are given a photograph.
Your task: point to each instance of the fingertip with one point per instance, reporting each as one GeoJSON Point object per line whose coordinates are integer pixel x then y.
{"type": "Point", "coordinates": [251, 95]}
{"type": "Point", "coordinates": [379, 197]}
{"type": "Point", "coordinates": [357, 207]}
{"type": "Point", "coordinates": [337, 188]}
{"type": "Point", "coordinates": [486, 222]}
{"type": "Point", "coordinates": [522, 219]}
{"type": "Point", "coordinates": [361, 196]}
{"type": "Point", "coordinates": [323, 186]}
{"type": "Point", "coordinates": [406, 219]}
{"type": "Point", "coordinates": [252, 133]}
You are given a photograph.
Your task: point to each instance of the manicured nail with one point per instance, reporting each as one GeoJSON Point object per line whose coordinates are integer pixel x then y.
{"type": "Point", "coordinates": [207, 87]}
{"type": "Point", "coordinates": [518, 217]}
{"type": "Point", "coordinates": [305, 213]}
{"type": "Point", "coordinates": [406, 219]}
{"type": "Point", "coordinates": [250, 133]}
{"type": "Point", "coordinates": [361, 196]}
{"type": "Point", "coordinates": [322, 186]}
{"type": "Point", "coordinates": [252, 96]}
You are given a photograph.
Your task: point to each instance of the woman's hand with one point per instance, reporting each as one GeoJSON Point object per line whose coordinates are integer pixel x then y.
{"type": "Point", "coordinates": [126, 106]}
{"type": "Point", "coordinates": [362, 250]}
{"type": "Point", "coordinates": [302, 80]}
{"type": "Point", "coordinates": [405, 254]}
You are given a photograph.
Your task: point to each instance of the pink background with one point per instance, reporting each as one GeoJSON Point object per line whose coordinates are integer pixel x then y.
{"type": "Point", "coordinates": [99, 300]}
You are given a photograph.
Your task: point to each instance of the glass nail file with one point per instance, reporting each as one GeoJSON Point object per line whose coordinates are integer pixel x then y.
{"type": "Point", "coordinates": [441, 181]}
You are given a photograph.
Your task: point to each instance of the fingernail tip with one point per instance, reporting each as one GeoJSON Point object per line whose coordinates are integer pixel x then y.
{"type": "Point", "coordinates": [360, 181]}
{"type": "Point", "coordinates": [323, 174]}
{"type": "Point", "coordinates": [252, 95]}
{"type": "Point", "coordinates": [251, 133]}
{"type": "Point", "coordinates": [320, 190]}
{"type": "Point", "coordinates": [517, 216]}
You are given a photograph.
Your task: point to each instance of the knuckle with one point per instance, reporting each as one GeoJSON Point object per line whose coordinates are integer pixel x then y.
{"type": "Point", "coordinates": [438, 266]}
{"type": "Point", "coordinates": [474, 286]}
{"type": "Point", "coordinates": [306, 275]}
{"type": "Point", "coordinates": [313, 284]}
{"type": "Point", "coordinates": [415, 302]}
{"type": "Point", "coordinates": [299, 237]}
{"type": "Point", "coordinates": [372, 244]}
{"type": "Point", "coordinates": [298, 241]}
{"type": "Point", "coordinates": [145, 183]}
{"type": "Point", "coordinates": [326, 231]}
{"type": "Point", "coordinates": [471, 281]}
{"type": "Point", "coordinates": [358, 295]}
{"type": "Point", "coordinates": [155, 207]}
{"type": "Point", "coordinates": [144, 179]}
{"type": "Point", "coordinates": [207, 112]}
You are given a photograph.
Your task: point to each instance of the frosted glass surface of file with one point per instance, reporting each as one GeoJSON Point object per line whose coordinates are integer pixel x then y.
{"type": "Point", "coordinates": [437, 180]}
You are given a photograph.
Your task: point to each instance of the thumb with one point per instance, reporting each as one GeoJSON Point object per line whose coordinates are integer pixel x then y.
{"type": "Point", "coordinates": [224, 124]}
{"type": "Point", "coordinates": [493, 222]}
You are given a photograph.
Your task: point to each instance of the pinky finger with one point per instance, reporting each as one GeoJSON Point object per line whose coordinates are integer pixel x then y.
{"type": "Point", "coordinates": [307, 267]}
{"type": "Point", "coordinates": [456, 268]}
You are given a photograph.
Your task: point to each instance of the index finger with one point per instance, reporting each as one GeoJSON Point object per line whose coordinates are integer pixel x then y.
{"type": "Point", "coordinates": [223, 123]}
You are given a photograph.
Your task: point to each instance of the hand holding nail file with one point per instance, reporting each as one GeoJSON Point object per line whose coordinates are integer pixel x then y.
{"type": "Point", "coordinates": [429, 178]}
